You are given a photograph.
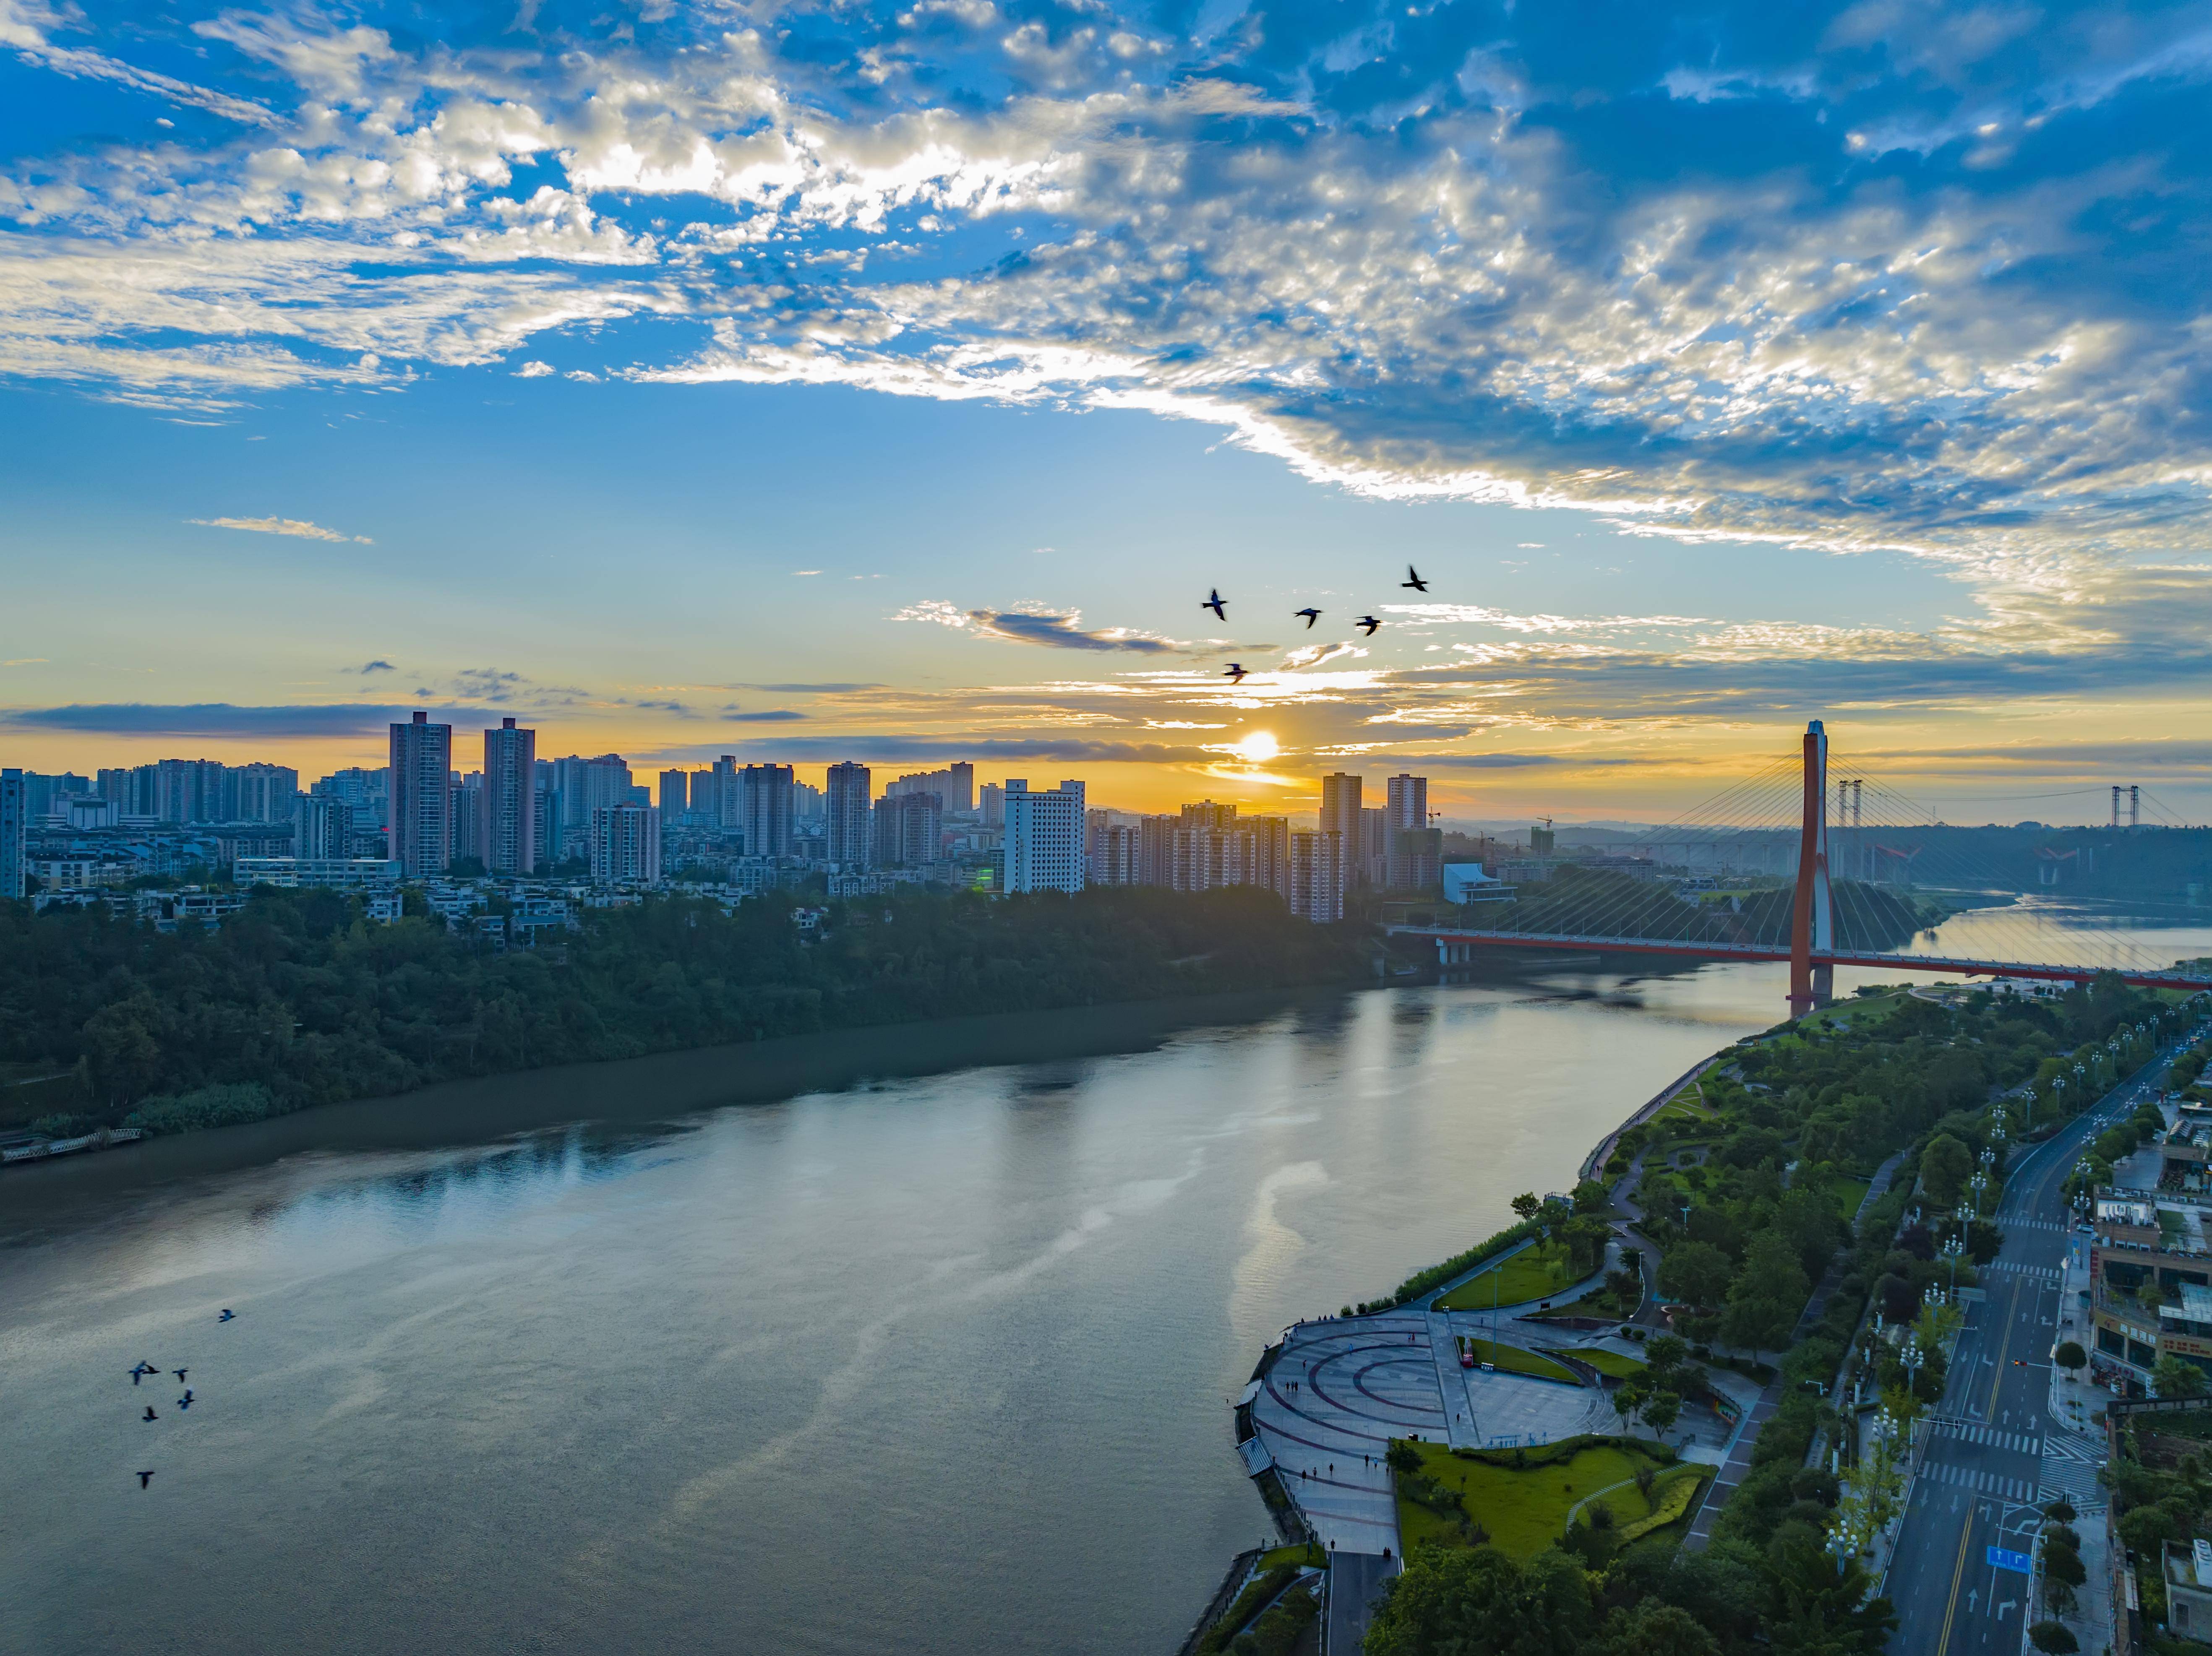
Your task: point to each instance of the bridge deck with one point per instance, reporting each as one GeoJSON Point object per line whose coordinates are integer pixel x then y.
{"type": "Point", "coordinates": [1732, 951]}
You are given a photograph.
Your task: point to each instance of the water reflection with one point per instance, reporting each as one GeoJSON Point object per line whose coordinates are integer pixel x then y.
{"type": "Point", "coordinates": [936, 1364]}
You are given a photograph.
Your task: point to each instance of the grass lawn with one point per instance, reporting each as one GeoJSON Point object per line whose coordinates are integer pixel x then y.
{"type": "Point", "coordinates": [1512, 1359]}
{"type": "Point", "coordinates": [1619, 1364]}
{"type": "Point", "coordinates": [1845, 1013]}
{"type": "Point", "coordinates": [1534, 1273]}
{"type": "Point", "coordinates": [1522, 1510]}
{"type": "Point", "coordinates": [1688, 1105]}
{"type": "Point", "coordinates": [1307, 1555]}
{"type": "Point", "coordinates": [1850, 1192]}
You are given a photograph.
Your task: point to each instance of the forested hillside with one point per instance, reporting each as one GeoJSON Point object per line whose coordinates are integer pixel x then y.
{"type": "Point", "coordinates": [298, 995]}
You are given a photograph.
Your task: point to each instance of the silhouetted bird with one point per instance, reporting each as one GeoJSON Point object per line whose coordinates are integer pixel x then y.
{"type": "Point", "coordinates": [1368, 622]}
{"type": "Point", "coordinates": [1413, 579]}
{"type": "Point", "coordinates": [228, 1315]}
{"type": "Point", "coordinates": [185, 1401]}
{"type": "Point", "coordinates": [178, 1373]}
{"type": "Point", "coordinates": [150, 1415]}
{"type": "Point", "coordinates": [1216, 603]}
{"type": "Point", "coordinates": [1312, 615]}
{"type": "Point", "coordinates": [1234, 673]}
{"type": "Point", "coordinates": [141, 1371]}
{"type": "Point", "coordinates": [144, 1478]}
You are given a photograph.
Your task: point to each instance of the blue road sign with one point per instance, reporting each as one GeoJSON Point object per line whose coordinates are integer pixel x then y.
{"type": "Point", "coordinates": [2002, 1560]}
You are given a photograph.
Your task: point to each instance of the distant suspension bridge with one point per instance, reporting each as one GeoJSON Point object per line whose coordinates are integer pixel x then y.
{"type": "Point", "coordinates": [1843, 919]}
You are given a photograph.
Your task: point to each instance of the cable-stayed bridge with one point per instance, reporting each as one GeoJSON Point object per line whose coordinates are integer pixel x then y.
{"type": "Point", "coordinates": [1785, 867]}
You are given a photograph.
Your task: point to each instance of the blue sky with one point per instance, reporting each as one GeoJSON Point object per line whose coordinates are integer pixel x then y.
{"type": "Point", "coordinates": [1720, 368]}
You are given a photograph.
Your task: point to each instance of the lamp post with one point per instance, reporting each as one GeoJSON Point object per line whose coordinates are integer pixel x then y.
{"type": "Point", "coordinates": [1952, 1251]}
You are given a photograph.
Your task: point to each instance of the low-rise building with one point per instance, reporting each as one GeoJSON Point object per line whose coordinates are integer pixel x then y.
{"type": "Point", "coordinates": [338, 873]}
{"type": "Point", "coordinates": [2150, 1271]}
{"type": "Point", "coordinates": [2189, 1589]}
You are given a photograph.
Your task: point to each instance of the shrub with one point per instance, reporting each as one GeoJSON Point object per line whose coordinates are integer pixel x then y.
{"type": "Point", "coordinates": [2053, 1639]}
{"type": "Point", "coordinates": [227, 1106]}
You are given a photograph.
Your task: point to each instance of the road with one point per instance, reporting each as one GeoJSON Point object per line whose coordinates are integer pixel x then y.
{"type": "Point", "coordinates": [1981, 1483]}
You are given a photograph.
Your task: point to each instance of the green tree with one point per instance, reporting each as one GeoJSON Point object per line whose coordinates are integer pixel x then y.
{"type": "Point", "coordinates": [2177, 1377]}
{"type": "Point", "coordinates": [2053, 1639]}
{"type": "Point", "coordinates": [1817, 1604]}
{"type": "Point", "coordinates": [120, 1049]}
{"type": "Point", "coordinates": [1528, 1204]}
{"type": "Point", "coordinates": [2070, 1356]}
{"type": "Point", "coordinates": [1475, 1601]}
{"type": "Point", "coordinates": [1944, 1166]}
{"type": "Point", "coordinates": [1769, 1292]}
{"type": "Point", "coordinates": [1663, 1410]}
{"type": "Point", "coordinates": [1653, 1628]}
{"type": "Point", "coordinates": [1696, 1273]}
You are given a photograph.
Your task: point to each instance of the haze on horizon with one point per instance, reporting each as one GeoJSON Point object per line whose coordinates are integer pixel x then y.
{"type": "Point", "coordinates": [890, 382]}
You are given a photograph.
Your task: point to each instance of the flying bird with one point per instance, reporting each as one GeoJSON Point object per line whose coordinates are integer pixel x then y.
{"type": "Point", "coordinates": [228, 1315]}
{"type": "Point", "coordinates": [1216, 603]}
{"type": "Point", "coordinates": [1413, 579]}
{"type": "Point", "coordinates": [144, 1478]}
{"type": "Point", "coordinates": [1234, 673]}
{"type": "Point", "coordinates": [143, 1369]}
{"type": "Point", "coordinates": [1368, 622]}
{"type": "Point", "coordinates": [1312, 615]}
{"type": "Point", "coordinates": [185, 1401]}
{"type": "Point", "coordinates": [179, 1375]}
{"type": "Point", "coordinates": [150, 1414]}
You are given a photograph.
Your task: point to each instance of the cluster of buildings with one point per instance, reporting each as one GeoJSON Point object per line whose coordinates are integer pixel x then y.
{"type": "Point", "coordinates": [2150, 1253]}
{"type": "Point", "coordinates": [737, 829]}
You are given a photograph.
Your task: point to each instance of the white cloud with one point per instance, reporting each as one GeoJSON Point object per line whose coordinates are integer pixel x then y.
{"type": "Point", "coordinates": [306, 532]}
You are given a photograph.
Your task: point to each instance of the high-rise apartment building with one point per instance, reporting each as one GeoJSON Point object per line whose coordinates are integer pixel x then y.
{"type": "Point", "coordinates": [466, 836]}
{"type": "Point", "coordinates": [581, 786]}
{"type": "Point", "coordinates": [1113, 852]}
{"type": "Point", "coordinates": [909, 830]}
{"type": "Point", "coordinates": [422, 766]}
{"type": "Point", "coordinates": [14, 833]}
{"type": "Point", "coordinates": [1374, 840]}
{"type": "Point", "coordinates": [509, 835]}
{"type": "Point", "coordinates": [264, 793]}
{"type": "Point", "coordinates": [1044, 837]}
{"type": "Point", "coordinates": [1408, 863]}
{"type": "Point", "coordinates": [992, 805]}
{"type": "Point", "coordinates": [1341, 814]}
{"type": "Point", "coordinates": [718, 796]}
{"type": "Point", "coordinates": [1316, 877]}
{"type": "Point", "coordinates": [771, 811]}
{"type": "Point", "coordinates": [675, 793]}
{"type": "Point", "coordinates": [845, 816]}
{"type": "Point", "coordinates": [324, 829]}
{"type": "Point", "coordinates": [954, 787]}
{"type": "Point", "coordinates": [625, 842]}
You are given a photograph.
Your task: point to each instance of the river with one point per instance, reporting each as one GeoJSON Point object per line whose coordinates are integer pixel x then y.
{"type": "Point", "coordinates": [937, 1363]}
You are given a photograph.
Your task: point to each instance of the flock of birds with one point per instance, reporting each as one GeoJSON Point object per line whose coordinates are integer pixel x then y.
{"type": "Point", "coordinates": [1235, 670]}
{"type": "Point", "coordinates": [140, 1370]}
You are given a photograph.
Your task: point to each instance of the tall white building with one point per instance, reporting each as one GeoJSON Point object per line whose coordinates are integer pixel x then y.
{"type": "Point", "coordinates": [510, 800]}
{"type": "Point", "coordinates": [422, 821]}
{"type": "Point", "coordinates": [1044, 837]}
{"type": "Point", "coordinates": [845, 815]}
{"type": "Point", "coordinates": [1316, 879]}
{"type": "Point", "coordinates": [625, 845]}
{"type": "Point", "coordinates": [266, 793]}
{"type": "Point", "coordinates": [15, 832]}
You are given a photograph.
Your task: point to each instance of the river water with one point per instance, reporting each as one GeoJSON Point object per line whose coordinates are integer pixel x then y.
{"type": "Point", "coordinates": [933, 1363]}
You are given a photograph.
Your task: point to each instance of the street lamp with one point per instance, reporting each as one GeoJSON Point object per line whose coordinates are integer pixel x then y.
{"type": "Point", "coordinates": [1951, 1251]}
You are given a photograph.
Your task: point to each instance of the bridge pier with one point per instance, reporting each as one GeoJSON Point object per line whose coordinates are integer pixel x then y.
{"type": "Point", "coordinates": [1812, 925]}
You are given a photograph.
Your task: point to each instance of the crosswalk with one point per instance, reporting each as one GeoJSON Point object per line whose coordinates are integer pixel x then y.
{"type": "Point", "coordinates": [2008, 1223]}
{"type": "Point", "coordinates": [1969, 1431]}
{"type": "Point", "coordinates": [2011, 1268]}
{"type": "Point", "coordinates": [1967, 1477]}
{"type": "Point", "coordinates": [2070, 1469]}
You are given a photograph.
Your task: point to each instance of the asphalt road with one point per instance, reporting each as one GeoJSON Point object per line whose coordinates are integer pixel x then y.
{"type": "Point", "coordinates": [1980, 1482]}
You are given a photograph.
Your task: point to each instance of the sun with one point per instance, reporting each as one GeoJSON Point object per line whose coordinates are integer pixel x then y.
{"type": "Point", "coordinates": [1259, 747]}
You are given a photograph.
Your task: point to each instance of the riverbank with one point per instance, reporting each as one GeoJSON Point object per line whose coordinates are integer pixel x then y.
{"type": "Point", "coordinates": [636, 1092]}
